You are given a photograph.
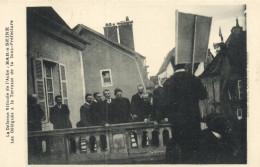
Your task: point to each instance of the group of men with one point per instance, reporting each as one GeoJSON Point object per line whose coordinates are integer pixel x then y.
{"type": "Point", "coordinates": [96, 111]}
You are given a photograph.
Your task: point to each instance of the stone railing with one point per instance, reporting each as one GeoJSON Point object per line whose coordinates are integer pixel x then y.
{"type": "Point", "coordinates": [135, 142]}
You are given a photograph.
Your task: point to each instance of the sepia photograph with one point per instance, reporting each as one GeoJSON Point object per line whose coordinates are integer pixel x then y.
{"type": "Point", "coordinates": [114, 82]}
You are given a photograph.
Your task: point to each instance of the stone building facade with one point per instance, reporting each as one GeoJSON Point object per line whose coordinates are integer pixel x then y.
{"type": "Point", "coordinates": [54, 62]}
{"type": "Point", "coordinates": [110, 61]}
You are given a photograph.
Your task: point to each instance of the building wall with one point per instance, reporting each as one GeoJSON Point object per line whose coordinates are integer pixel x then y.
{"type": "Point", "coordinates": [167, 73]}
{"type": "Point", "coordinates": [57, 51]}
{"type": "Point", "coordinates": [169, 70]}
{"type": "Point", "coordinates": [100, 55]}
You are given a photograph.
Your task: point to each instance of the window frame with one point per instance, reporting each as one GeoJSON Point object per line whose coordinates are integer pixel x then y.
{"type": "Point", "coordinates": [102, 79]}
{"type": "Point", "coordinates": [240, 89]}
{"type": "Point", "coordinates": [232, 88]}
{"type": "Point", "coordinates": [46, 85]}
{"type": "Point", "coordinates": [239, 116]}
{"type": "Point", "coordinates": [44, 80]}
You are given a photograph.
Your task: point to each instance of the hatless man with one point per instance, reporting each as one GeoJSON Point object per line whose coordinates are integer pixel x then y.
{"type": "Point", "coordinates": [122, 108]}
{"type": "Point", "coordinates": [97, 97]}
{"type": "Point", "coordinates": [59, 115]}
{"type": "Point", "coordinates": [86, 115]}
{"type": "Point", "coordinates": [107, 108]}
{"type": "Point", "coordinates": [35, 114]}
{"type": "Point", "coordinates": [158, 98]}
{"type": "Point", "coordinates": [96, 107]}
{"type": "Point", "coordinates": [146, 111]}
{"type": "Point", "coordinates": [137, 102]}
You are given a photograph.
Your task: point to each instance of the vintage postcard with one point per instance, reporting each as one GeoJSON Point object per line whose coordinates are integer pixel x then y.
{"type": "Point", "coordinates": [101, 82]}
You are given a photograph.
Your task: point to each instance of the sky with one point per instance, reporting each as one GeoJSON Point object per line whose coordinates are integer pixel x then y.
{"type": "Point", "coordinates": [153, 22]}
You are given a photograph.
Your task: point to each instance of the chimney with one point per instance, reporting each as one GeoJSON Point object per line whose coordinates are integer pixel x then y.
{"type": "Point", "coordinates": [237, 29]}
{"type": "Point", "coordinates": [110, 31]}
{"type": "Point", "coordinates": [126, 36]}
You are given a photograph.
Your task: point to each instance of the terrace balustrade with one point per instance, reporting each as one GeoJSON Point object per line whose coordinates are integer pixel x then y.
{"type": "Point", "coordinates": [134, 142]}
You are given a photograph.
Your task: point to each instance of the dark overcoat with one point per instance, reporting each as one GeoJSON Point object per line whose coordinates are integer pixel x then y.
{"type": "Point", "coordinates": [136, 104]}
{"type": "Point", "coordinates": [35, 114]}
{"type": "Point", "coordinates": [122, 109]}
{"type": "Point", "coordinates": [59, 117]}
{"type": "Point", "coordinates": [86, 115]}
{"type": "Point", "coordinates": [96, 108]}
{"type": "Point", "coordinates": [106, 110]}
{"type": "Point", "coordinates": [181, 103]}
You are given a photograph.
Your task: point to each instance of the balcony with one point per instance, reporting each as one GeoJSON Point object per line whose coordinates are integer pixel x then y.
{"type": "Point", "coordinates": [125, 143]}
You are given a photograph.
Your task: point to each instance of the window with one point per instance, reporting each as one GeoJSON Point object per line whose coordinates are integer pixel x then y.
{"type": "Point", "coordinates": [232, 90]}
{"type": "Point", "coordinates": [49, 81]}
{"type": "Point", "coordinates": [48, 78]}
{"type": "Point", "coordinates": [236, 90]}
{"type": "Point", "coordinates": [240, 89]}
{"type": "Point", "coordinates": [106, 78]}
{"type": "Point", "coordinates": [64, 93]}
{"type": "Point", "coordinates": [239, 113]}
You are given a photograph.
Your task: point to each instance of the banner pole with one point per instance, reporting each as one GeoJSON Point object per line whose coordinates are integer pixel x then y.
{"type": "Point", "coordinates": [176, 37]}
{"type": "Point", "coordinates": [194, 42]}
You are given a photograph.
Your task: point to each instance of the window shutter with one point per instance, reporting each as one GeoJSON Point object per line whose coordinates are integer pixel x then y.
{"type": "Point", "coordinates": [63, 82]}
{"type": "Point", "coordinates": [39, 84]}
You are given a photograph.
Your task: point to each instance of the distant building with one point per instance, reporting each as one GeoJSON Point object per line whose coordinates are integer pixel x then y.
{"type": "Point", "coordinates": [166, 69]}
{"type": "Point", "coordinates": [54, 62]}
{"type": "Point", "coordinates": [225, 77]}
{"type": "Point", "coordinates": [111, 61]}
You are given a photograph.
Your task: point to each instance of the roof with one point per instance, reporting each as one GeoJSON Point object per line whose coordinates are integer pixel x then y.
{"type": "Point", "coordinates": [81, 27]}
{"type": "Point", "coordinates": [170, 56]}
{"type": "Point", "coordinates": [50, 13]}
{"type": "Point", "coordinates": [233, 59]}
{"type": "Point", "coordinates": [215, 67]}
{"type": "Point", "coordinates": [45, 17]}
